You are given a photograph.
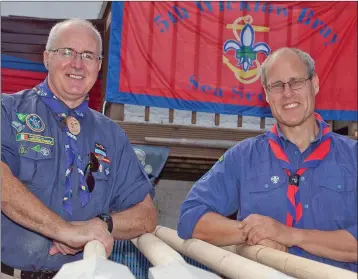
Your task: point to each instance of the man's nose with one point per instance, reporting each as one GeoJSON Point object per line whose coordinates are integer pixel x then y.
{"type": "Point", "coordinates": [287, 91]}
{"type": "Point", "coordinates": [77, 61]}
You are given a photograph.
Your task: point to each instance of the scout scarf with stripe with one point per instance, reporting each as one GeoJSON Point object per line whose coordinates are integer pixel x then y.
{"type": "Point", "coordinates": [294, 206]}
{"type": "Point", "coordinates": [73, 157]}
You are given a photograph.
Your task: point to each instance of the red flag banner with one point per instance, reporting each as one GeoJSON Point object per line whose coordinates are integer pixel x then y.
{"type": "Point", "coordinates": [206, 56]}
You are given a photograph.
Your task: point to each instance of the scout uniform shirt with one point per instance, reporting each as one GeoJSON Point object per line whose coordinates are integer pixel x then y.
{"type": "Point", "coordinates": [249, 179]}
{"type": "Point", "coordinates": [33, 146]}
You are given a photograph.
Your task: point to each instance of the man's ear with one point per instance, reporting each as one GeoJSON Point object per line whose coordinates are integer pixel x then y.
{"type": "Point", "coordinates": [315, 83]}
{"type": "Point", "coordinates": [267, 97]}
{"type": "Point", "coordinates": [45, 59]}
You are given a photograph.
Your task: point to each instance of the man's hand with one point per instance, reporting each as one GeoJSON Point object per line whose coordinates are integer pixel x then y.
{"type": "Point", "coordinates": [273, 244]}
{"type": "Point", "coordinates": [63, 249]}
{"type": "Point", "coordinates": [77, 234]}
{"type": "Point", "coordinates": [260, 227]}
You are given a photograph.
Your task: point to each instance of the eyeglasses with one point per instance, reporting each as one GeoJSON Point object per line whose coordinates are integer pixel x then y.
{"type": "Point", "coordinates": [294, 84]}
{"type": "Point", "coordinates": [69, 54]}
{"type": "Point", "coordinates": [92, 166]}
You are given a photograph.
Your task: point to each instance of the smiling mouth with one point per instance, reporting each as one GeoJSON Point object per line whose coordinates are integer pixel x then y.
{"type": "Point", "coordinates": [75, 76]}
{"type": "Point", "coordinates": [290, 106]}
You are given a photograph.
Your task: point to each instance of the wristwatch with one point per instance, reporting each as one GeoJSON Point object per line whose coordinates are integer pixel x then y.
{"type": "Point", "coordinates": [108, 219]}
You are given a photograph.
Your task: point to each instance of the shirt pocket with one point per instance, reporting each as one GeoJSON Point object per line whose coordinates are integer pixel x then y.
{"type": "Point", "coordinates": [266, 196]}
{"type": "Point", "coordinates": [36, 164]}
{"type": "Point", "coordinates": [336, 202]}
{"type": "Point", "coordinates": [101, 191]}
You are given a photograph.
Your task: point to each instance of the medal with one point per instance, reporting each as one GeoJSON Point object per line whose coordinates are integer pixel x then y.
{"type": "Point", "coordinates": [73, 125]}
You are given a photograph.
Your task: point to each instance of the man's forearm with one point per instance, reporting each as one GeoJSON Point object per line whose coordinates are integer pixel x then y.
{"type": "Point", "coordinates": [21, 206]}
{"type": "Point", "coordinates": [337, 245]}
{"type": "Point", "coordinates": [135, 221]}
{"type": "Point", "coordinates": [218, 230]}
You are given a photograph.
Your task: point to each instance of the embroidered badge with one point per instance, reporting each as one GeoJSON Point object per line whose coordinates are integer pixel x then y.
{"type": "Point", "coordinates": [36, 148]}
{"type": "Point", "coordinates": [18, 126]}
{"type": "Point", "coordinates": [140, 155]}
{"type": "Point", "coordinates": [35, 123]}
{"type": "Point", "coordinates": [21, 116]}
{"type": "Point", "coordinates": [44, 151]}
{"type": "Point", "coordinates": [23, 150]}
{"type": "Point", "coordinates": [148, 169]}
{"type": "Point", "coordinates": [41, 149]}
{"type": "Point", "coordinates": [275, 179]}
{"type": "Point", "coordinates": [34, 138]}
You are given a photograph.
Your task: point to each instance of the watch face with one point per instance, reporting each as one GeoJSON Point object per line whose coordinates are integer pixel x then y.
{"type": "Point", "coordinates": [105, 217]}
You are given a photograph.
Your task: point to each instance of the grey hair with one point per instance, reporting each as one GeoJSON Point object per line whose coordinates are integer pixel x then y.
{"type": "Point", "coordinates": [77, 21]}
{"type": "Point", "coordinates": [304, 56]}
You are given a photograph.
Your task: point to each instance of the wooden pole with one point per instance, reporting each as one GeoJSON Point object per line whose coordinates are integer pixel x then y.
{"type": "Point", "coordinates": [156, 251]}
{"type": "Point", "coordinates": [224, 262]}
{"type": "Point", "coordinates": [292, 265]}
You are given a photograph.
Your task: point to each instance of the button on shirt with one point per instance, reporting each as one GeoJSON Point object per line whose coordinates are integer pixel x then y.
{"type": "Point", "coordinates": [249, 179]}
{"type": "Point", "coordinates": [39, 162]}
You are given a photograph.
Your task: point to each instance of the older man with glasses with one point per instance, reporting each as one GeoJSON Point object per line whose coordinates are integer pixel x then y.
{"type": "Point", "coordinates": [69, 174]}
{"type": "Point", "coordinates": [294, 187]}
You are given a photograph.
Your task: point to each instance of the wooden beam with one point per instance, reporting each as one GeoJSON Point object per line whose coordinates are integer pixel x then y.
{"type": "Point", "coordinates": [115, 111]}
{"type": "Point", "coordinates": [353, 129]}
{"type": "Point", "coordinates": [262, 122]}
{"type": "Point", "coordinates": [171, 115]}
{"type": "Point", "coordinates": [239, 121]}
{"type": "Point", "coordinates": [104, 10]}
{"type": "Point", "coordinates": [193, 142]}
{"type": "Point", "coordinates": [193, 117]}
{"type": "Point", "coordinates": [146, 113]}
{"type": "Point", "coordinates": [217, 119]}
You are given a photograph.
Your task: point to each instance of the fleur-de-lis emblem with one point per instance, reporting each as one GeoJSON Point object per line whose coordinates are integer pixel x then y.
{"type": "Point", "coordinates": [246, 50]}
{"type": "Point", "coordinates": [275, 179]}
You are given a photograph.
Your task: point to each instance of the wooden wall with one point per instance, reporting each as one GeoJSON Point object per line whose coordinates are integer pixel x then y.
{"type": "Point", "coordinates": [26, 37]}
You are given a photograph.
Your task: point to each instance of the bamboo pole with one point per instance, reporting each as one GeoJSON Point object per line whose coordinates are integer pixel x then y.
{"type": "Point", "coordinates": [156, 251]}
{"type": "Point", "coordinates": [224, 262]}
{"type": "Point", "coordinates": [94, 248]}
{"type": "Point", "coordinates": [292, 265]}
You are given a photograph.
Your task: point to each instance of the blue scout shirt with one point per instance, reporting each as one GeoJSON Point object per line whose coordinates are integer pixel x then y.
{"type": "Point", "coordinates": [39, 162]}
{"type": "Point", "coordinates": [248, 178]}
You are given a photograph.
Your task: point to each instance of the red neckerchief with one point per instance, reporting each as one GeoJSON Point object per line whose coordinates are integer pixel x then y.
{"type": "Point", "coordinates": [294, 206]}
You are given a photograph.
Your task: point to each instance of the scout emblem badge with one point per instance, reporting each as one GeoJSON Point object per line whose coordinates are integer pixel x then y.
{"type": "Point", "coordinates": [73, 125]}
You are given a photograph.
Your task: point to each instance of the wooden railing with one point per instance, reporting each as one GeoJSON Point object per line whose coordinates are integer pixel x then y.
{"type": "Point", "coordinates": [117, 112]}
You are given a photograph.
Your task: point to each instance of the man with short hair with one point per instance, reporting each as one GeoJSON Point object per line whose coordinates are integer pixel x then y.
{"type": "Point", "coordinates": [294, 185]}
{"type": "Point", "coordinates": [69, 174]}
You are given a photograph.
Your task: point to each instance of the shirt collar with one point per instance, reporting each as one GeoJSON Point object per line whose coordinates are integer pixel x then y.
{"type": "Point", "coordinates": [317, 139]}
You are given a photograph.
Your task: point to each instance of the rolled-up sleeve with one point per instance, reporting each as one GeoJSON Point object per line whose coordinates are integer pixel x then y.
{"type": "Point", "coordinates": [131, 182]}
{"type": "Point", "coordinates": [217, 191]}
{"type": "Point", "coordinates": [353, 230]}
